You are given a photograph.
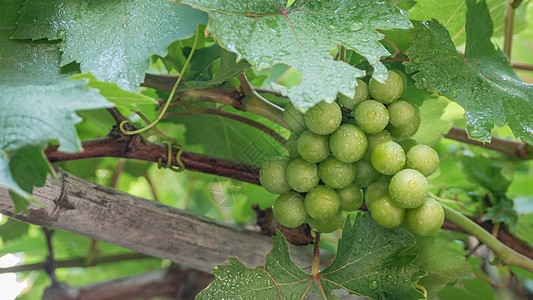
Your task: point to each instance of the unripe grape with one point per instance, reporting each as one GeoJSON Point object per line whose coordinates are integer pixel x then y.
{"type": "Point", "coordinates": [423, 159]}
{"type": "Point", "coordinates": [272, 174]}
{"type": "Point", "coordinates": [348, 143]}
{"type": "Point", "coordinates": [374, 140]}
{"type": "Point", "coordinates": [301, 175]}
{"type": "Point", "coordinates": [403, 132]}
{"type": "Point", "coordinates": [401, 113]}
{"type": "Point", "coordinates": [408, 188]}
{"type": "Point", "coordinates": [294, 119]}
{"type": "Point", "coordinates": [289, 210]}
{"type": "Point", "coordinates": [407, 144]}
{"type": "Point", "coordinates": [327, 225]}
{"type": "Point", "coordinates": [365, 173]}
{"type": "Point", "coordinates": [389, 91]}
{"type": "Point", "coordinates": [386, 213]}
{"type": "Point", "coordinates": [351, 197]}
{"type": "Point", "coordinates": [361, 94]}
{"type": "Point", "coordinates": [375, 190]}
{"type": "Point", "coordinates": [402, 75]}
{"type": "Point", "coordinates": [425, 219]}
{"type": "Point", "coordinates": [292, 146]}
{"type": "Point", "coordinates": [371, 116]}
{"type": "Point", "coordinates": [323, 118]}
{"type": "Point", "coordinates": [322, 203]}
{"type": "Point", "coordinates": [313, 147]}
{"type": "Point", "coordinates": [335, 173]}
{"type": "Point", "coordinates": [388, 158]}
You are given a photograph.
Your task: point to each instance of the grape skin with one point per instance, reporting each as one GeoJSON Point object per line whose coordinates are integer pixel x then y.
{"type": "Point", "coordinates": [289, 210]}
{"type": "Point", "coordinates": [323, 118]}
{"type": "Point", "coordinates": [423, 159]}
{"type": "Point", "coordinates": [313, 147]}
{"type": "Point", "coordinates": [301, 175]}
{"type": "Point", "coordinates": [294, 119]}
{"type": "Point", "coordinates": [348, 143]}
{"type": "Point", "coordinates": [272, 175]}
{"type": "Point", "coordinates": [389, 91]}
{"type": "Point", "coordinates": [408, 188]}
{"type": "Point", "coordinates": [335, 173]}
{"type": "Point", "coordinates": [388, 158]}
{"type": "Point", "coordinates": [322, 203]}
{"type": "Point", "coordinates": [371, 116]}
{"type": "Point", "coordinates": [386, 213]}
{"type": "Point", "coordinates": [327, 225]}
{"type": "Point", "coordinates": [351, 197]}
{"type": "Point", "coordinates": [425, 219]}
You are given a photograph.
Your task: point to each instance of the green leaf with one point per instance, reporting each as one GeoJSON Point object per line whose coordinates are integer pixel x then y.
{"type": "Point", "coordinates": [13, 229]}
{"type": "Point", "coordinates": [111, 39]}
{"type": "Point", "coordinates": [302, 37]}
{"type": "Point", "coordinates": [432, 127]}
{"type": "Point", "coordinates": [475, 289]}
{"type": "Point", "coordinates": [451, 14]}
{"type": "Point", "coordinates": [227, 138]}
{"type": "Point", "coordinates": [114, 94]}
{"type": "Point", "coordinates": [483, 83]}
{"type": "Point", "coordinates": [30, 116]}
{"type": "Point", "coordinates": [24, 62]}
{"type": "Point", "coordinates": [370, 262]}
{"type": "Point", "coordinates": [443, 262]}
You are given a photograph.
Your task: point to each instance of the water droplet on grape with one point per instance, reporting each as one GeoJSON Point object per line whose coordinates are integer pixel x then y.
{"type": "Point", "coordinates": [356, 26]}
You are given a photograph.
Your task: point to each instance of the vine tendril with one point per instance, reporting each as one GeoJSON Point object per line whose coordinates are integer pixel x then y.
{"type": "Point", "coordinates": [163, 111]}
{"type": "Point", "coordinates": [168, 165]}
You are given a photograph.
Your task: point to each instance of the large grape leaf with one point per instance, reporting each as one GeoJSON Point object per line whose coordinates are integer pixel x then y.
{"type": "Point", "coordinates": [111, 39]}
{"type": "Point", "coordinates": [370, 262]}
{"type": "Point", "coordinates": [266, 33]}
{"type": "Point", "coordinates": [451, 13]}
{"type": "Point", "coordinates": [443, 262]}
{"type": "Point", "coordinates": [482, 82]}
{"type": "Point", "coordinates": [37, 104]}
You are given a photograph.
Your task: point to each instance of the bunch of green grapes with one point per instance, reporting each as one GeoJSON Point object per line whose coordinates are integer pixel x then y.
{"type": "Point", "coordinates": [335, 163]}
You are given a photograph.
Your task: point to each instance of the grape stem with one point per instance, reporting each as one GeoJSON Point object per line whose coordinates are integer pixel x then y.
{"type": "Point", "coordinates": [315, 269]}
{"type": "Point", "coordinates": [502, 251]}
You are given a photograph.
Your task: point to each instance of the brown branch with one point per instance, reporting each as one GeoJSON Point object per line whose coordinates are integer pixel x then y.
{"type": "Point", "coordinates": [136, 147]}
{"type": "Point", "coordinates": [76, 262]}
{"type": "Point", "coordinates": [213, 111]}
{"type": "Point", "coordinates": [266, 91]}
{"type": "Point", "coordinates": [522, 66]}
{"type": "Point", "coordinates": [512, 148]}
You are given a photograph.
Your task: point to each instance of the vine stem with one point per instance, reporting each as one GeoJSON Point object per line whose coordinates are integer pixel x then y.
{"type": "Point", "coordinates": [509, 26]}
{"type": "Point", "coordinates": [503, 252]}
{"type": "Point", "coordinates": [315, 269]}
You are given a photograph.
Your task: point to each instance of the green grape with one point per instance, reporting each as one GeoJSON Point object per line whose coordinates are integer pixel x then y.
{"type": "Point", "coordinates": [371, 116]}
{"type": "Point", "coordinates": [327, 225]}
{"type": "Point", "coordinates": [374, 140]}
{"type": "Point", "coordinates": [335, 173]}
{"type": "Point", "coordinates": [348, 143]}
{"type": "Point", "coordinates": [423, 159]}
{"type": "Point", "coordinates": [289, 209]}
{"type": "Point", "coordinates": [323, 118]}
{"type": "Point", "coordinates": [408, 188]}
{"type": "Point", "coordinates": [425, 219]}
{"type": "Point", "coordinates": [322, 203]}
{"type": "Point", "coordinates": [361, 94]}
{"type": "Point", "coordinates": [351, 197]}
{"type": "Point", "coordinates": [365, 173]}
{"type": "Point", "coordinates": [388, 158]}
{"type": "Point", "coordinates": [403, 132]}
{"type": "Point", "coordinates": [386, 213]}
{"type": "Point", "coordinates": [313, 147]}
{"type": "Point", "coordinates": [389, 91]}
{"type": "Point", "coordinates": [402, 75]}
{"type": "Point", "coordinates": [301, 175]}
{"type": "Point", "coordinates": [401, 113]}
{"type": "Point", "coordinates": [292, 146]}
{"type": "Point", "coordinates": [294, 119]}
{"type": "Point", "coordinates": [407, 144]}
{"type": "Point", "coordinates": [375, 190]}
{"type": "Point", "coordinates": [272, 174]}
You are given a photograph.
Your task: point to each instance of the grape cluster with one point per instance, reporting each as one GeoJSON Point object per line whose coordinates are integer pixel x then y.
{"type": "Point", "coordinates": [333, 158]}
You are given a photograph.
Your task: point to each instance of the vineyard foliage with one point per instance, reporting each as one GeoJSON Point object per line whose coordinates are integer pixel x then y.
{"type": "Point", "coordinates": [64, 63]}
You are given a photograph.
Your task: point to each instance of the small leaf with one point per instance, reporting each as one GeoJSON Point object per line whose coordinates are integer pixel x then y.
{"type": "Point", "coordinates": [370, 262]}
{"type": "Point", "coordinates": [13, 229]}
{"type": "Point", "coordinates": [443, 263]}
{"type": "Point", "coordinates": [121, 98]}
{"type": "Point", "coordinates": [482, 82]}
{"type": "Point", "coordinates": [111, 39]}
{"type": "Point", "coordinates": [267, 33]}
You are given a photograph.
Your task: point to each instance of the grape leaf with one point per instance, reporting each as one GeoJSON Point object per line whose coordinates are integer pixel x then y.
{"type": "Point", "coordinates": [227, 138]}
{"type": "Point", "coordinates": [370, 263]}
{"type": "Point", "coordinates": [114, 94]}
{"type": "Point", "coordinates": [37, 104]}
{"type": "Point", "coordinates": [111, 39]}
{"type": "Point", "coordinates": [13, 229]}
{"type": "Point", "coordinates": [266, 34]}
{"type": "Point", "coordinates": [482, 82]}
{"type": "Point", "coordinates": [451, 14]}
{"type": "Point", "coordinates": [432, 126]}
{"type": "Point", "coordinates": [443, 262]}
